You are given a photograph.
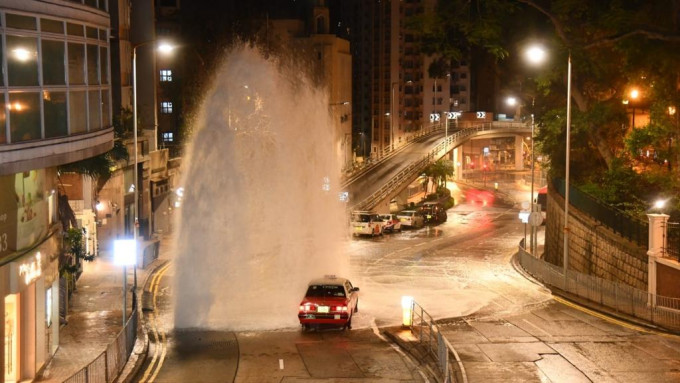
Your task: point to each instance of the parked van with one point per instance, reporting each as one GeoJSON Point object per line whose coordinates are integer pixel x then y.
{"type": "Point", "coordinates": [366, 223]}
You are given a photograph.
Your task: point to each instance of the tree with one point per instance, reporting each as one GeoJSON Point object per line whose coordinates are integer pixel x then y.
{"type": "Point", "coordinates": [614, 45]}
{"type": "Point", "coordinates": [439, 171]}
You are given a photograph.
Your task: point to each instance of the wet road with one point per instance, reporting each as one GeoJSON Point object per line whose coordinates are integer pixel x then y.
{"type": "Point", "coordinates": [505, 327]}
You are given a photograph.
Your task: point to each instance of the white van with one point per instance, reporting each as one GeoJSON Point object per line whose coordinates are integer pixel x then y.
{"type": "Point", "coordinates": [366, 223]}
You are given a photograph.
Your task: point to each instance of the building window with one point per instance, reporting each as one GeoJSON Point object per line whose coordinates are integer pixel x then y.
{"type": "Point", "coordinates": [168, 137]}
{"type": "Point", "coordinates": [166, 107]}
{"type": "Point", "coordinates": [166, 75]}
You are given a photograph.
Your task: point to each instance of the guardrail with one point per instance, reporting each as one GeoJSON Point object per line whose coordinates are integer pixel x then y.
{"type": "Point", "coordinates": [411, 171]}
{"type": "Point", "coordinates": [656, 309]}
{"type": "Point", "coordinates": [428, 333]}
{"type": "Point", "coordinates": [108, 365]}
{"type": "Point", "coordinates": [356, 172]}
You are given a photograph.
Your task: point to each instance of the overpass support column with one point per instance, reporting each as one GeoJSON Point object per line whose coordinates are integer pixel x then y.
{"type": "Point", "coordinates": [520, 153]}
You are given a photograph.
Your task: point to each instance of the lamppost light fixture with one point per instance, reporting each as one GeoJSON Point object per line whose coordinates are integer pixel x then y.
{"type": "Point", "coordinates": [165, 47]}
{"type": "Point", "coordinates": [536, 54]}
{"type": "Point", "coordinates": [660, 204]}
{"type": "Point", "coordinates": [511, 101]}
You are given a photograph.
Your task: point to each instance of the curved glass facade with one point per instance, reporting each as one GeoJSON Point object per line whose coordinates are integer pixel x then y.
{"type": "Point", "coordinates": [55, 76]}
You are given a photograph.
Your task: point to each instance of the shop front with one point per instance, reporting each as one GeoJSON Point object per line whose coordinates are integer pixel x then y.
{"type": "Point", "coordinates": [31, 325]}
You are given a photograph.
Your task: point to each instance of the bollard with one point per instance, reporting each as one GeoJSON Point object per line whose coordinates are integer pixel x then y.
{"type": "Point", "coordinates": [407, 311]}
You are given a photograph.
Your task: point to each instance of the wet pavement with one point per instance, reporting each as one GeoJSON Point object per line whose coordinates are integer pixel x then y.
{"type": "Point", "coordinates": [504, 326]}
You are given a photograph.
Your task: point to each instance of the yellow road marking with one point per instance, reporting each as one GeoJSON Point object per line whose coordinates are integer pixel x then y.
{"type": "Point", "coordinates": [614, 320]}
{"type": "Point", "coordinates": [156, 360]}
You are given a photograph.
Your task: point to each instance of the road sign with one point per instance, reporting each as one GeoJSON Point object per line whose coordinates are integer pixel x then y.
{"type": "Point", "coordinates": [481, 114]}
{"type": "Point", "coordinates": [535, 219]}
{"type": "Point", "coordinates": [524, 216]}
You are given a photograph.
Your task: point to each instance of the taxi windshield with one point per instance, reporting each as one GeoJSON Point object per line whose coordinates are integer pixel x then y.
{"type": "Point", "coordinates": [325, 291]}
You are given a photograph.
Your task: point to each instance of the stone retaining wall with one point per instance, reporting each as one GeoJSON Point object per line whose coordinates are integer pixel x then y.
{"type": "Point", "coordinates": [594, 249]}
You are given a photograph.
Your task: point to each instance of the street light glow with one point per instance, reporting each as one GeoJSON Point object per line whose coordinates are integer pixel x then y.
{"type": "Point", "coordinates": [511, 101]}
{"type": "Point", "coordinates": [165, 47]}
{"type": "Point", "coordinates": [634, 94]}
{"type": "Point", "coordinates": [660, 204]}
{"type": "Point", "coordinates": [536, 54]}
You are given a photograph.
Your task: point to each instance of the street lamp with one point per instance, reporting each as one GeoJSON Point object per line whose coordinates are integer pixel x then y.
{"type": "Point", "coordinates": [536, 54]}
{"type": "Point", "coordinates": [391, 114]}
{"type": "Point", "coordinates": [634, 94]}
{"type": "Point", "coordinates": [165, 48]}
{"type": "Point", "coordinates": [125, 254]}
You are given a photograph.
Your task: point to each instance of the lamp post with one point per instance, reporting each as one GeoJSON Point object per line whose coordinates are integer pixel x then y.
{"type": "Point", "coordinates": [391, 116]}
{"type": "Point", "coordinates": [566, 176]}
{"type": "Point", "coordinates": [537, 54]}
{"type": "Point", "coordinates": [634, 94]}
{"type": "Point", "coordinates": [163, 48]}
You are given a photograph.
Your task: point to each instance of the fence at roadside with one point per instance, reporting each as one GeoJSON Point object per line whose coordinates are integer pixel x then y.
{"type": "Point", "coordinates": [621, 298]}
{"type": "Point", "coordinates": [429, 335]}
{"type": "Point", "coordinates": [108, 365]}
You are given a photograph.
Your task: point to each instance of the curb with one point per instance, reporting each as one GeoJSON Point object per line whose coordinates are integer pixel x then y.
{"type": "Point", "coordinates": [589, 305]}
{"type": "Point", "coordinates": [138, 357]}
{"type": "Point", "coordinates": [421, 358]}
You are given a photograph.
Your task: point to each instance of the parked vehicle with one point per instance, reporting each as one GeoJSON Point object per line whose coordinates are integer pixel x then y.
{"type": "Point", "coordinates": [433, 212]}
{"type": "Point", "coordinates": [391, 223]}
{"type": "Point", "coordinates": [411, 219]}
{"type": "Point", "coordinates": [366, 223]}
{"type": "Point", "coordinates": [329, 300]}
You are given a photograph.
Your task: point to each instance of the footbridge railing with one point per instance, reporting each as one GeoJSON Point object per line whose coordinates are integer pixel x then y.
{"type": "Point", "coordinates": [411, 172]}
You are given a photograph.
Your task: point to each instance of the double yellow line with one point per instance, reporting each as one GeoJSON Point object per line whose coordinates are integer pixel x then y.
{"type": "Point", "coordinates": [161, 342]}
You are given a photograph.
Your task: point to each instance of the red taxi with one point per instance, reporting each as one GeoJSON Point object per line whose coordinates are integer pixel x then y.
{"type": "Point", "coordinates": [329, 300]}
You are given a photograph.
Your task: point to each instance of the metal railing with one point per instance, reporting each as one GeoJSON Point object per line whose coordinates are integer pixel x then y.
{"type": "Point", "coordinates": [621, 298]}
{"type": "Point", "coordinates": [424, 328]}
{"type": "Point", "coordinates": [108, 365]}
{"type": "Point", "coordinates": [413, 169]}
{"type": "Point", "coordinates": [671, 247]}
{"type": "Point", "coordinates": [624, 224]}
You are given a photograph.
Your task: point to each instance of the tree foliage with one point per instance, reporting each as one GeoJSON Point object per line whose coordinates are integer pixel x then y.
{"type": "Point", "coordinates": [439, 171]}
{"type": "Point", "coordinates": [613, 46]}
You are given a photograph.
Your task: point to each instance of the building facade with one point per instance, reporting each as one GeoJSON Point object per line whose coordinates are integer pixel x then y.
{"type": "Point", "coordinates": [55, 109]}
{"type": "Point", "coordinates": [394, 93]}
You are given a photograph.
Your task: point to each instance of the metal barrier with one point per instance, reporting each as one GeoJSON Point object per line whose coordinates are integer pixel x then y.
{"type": "Point", "coordinates": [108, 365]}
{"type": "Point", "coordinates": [427, 332]}
{"type": "Point", "coordinates": [621, 298]}
{"type": "Point", "coordinates": [450, 142]}
{"type": "Point", "coordinates": [671, 247]}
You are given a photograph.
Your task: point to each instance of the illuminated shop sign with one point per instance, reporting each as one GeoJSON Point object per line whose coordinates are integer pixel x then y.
{"type": "Point", "coordinates": [31, 270]}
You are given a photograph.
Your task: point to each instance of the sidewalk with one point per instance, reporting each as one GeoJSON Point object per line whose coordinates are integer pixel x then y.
{"type": "Point", "coordinates": [95, 313]}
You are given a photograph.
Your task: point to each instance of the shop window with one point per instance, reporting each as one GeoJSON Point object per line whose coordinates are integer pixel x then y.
{"type": "Point", "coordinates": [168, 137]}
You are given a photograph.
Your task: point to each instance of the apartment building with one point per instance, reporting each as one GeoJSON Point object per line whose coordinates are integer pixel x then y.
{"type": "Point", "coordinates": [394, 95]}
{"type": "Point", "coordinates": [55, 108]}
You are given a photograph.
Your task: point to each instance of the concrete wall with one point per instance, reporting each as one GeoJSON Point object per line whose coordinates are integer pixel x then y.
{"type": "Point", "coordinates": [593, 249]}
